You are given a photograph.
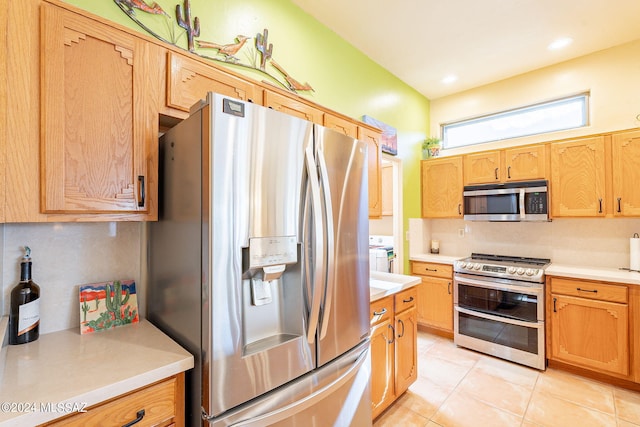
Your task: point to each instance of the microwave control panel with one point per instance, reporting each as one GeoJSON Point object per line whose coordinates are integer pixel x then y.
{"type": "Point", "coordinates": [536, 203]}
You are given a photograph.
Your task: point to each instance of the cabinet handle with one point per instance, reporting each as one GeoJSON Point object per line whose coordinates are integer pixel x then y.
{"type": "Point", "coordinates": [407, 300]}
{"type": "Point", "coordinates": [393, 334]}
{"type": "Point", "coordinates": [554, 305]}
{"type": "Point", "coordinates": [430, 269]}
{"type": "Point", "coordinates": [381, 313]}
{"type": "Point", "coordinates": [600, 204]}
{"type": "Point", "coordinates": [496, 172]}
{"type": "Point", "coordinates": [449, 288]}
{"type": "Point", "coordinates": [459, 208]}
{"type": "Point", "coordinates": [140, 415]}
{"type": "Point", "coordinates": [402, 323]}
{"type": "Point", "coordinates": [595, 291]}
{"type": "Point", "coordinates": [509, 172]}
{"type": "Point", "coordinates": [141, 194]}
{"type": "Point", "coordinates": [619, 205]}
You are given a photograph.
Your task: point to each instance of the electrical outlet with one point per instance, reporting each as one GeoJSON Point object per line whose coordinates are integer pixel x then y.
{"type": "Point", "coordinates": [460, 232]}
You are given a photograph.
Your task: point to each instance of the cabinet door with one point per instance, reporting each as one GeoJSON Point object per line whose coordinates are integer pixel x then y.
{"type": "Point", "coordinates": [292, 107]}
{"type": "Point", "coordinates": [435, 303]}
{"type": "Point", "coordinates": [626, 174]}
{"type": "Point", "coordinates": [482, 168]}
{"type": "Point", "coordinates": [387, 190]}
{"type": "Point", "coordinates": [525, 163]}
{"type": "Point", "coordinates": [590, 333]}
{"type": "Point", "coordinates": [99, 130]}
{"type": "Point", "coordinates": [3, 106]}
{"type": "Point", "coordinates": [188, 81]}
{"type": "Point", "coordinates": [382, 357]}
{"type": "Point", "coordinates": [442, 188]}
{"type": "Point", "coordinates": [374, 145]}
{"type": "Point", "coordinates": [406, 349]}
{"type": "Point", "coordinates": [341, 125]}
{"type": "Point", "coordinates": [578, 178]}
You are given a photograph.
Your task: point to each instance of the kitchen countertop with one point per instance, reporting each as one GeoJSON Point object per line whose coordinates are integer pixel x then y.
{"type": "Point", "coordinates": [440, 259]}
{"type": "Point", "coordinates": [594, 273]}
{"type": "Point", "coordinates": [383, 284]}
{"type": "Point", "coordinates": [67, 367]}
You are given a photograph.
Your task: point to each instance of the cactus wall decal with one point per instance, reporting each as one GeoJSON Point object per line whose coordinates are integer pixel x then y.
{"type": "Point", "coordinates": [261, 45]}
{"type": "Point", "coordinates": [120, 300]}
{"type": "Point", "coordinates": [184, 20]}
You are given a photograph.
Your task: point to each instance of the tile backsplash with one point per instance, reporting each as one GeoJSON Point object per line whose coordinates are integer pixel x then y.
{"type": "Point", "coordinates": [593, 242]}
{"type": "Point", "coordinates": [66, 255]}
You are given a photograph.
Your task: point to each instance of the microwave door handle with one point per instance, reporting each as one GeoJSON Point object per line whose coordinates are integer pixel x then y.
{"type": "Point", "coordinates": [329, 281]}
{"type": "Point", "coordinates": [500, 319]}
{"type": "Point", "coordinates": [522, 211]}
{"type": "Point", "coordinates": [314, 313]}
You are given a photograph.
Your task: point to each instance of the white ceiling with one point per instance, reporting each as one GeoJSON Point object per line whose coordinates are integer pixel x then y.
{"type": "Point", "coordinates": [480, 41]}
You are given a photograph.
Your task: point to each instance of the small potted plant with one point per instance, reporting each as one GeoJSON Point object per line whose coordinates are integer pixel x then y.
{"type": "Point", "coordinates": [430, 147]}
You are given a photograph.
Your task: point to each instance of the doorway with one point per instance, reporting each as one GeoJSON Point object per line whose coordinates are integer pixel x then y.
{"type": "Point", "coordinates": [391, 224]}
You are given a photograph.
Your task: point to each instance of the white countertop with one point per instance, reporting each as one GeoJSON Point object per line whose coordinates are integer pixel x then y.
{"type": "Point", "coordinates": [440, 259]}
{"type": "Point", "coordinates": [383, 284]}
{"type": "Point", "coordinates": [590, 273]}
{"type": "Point", "coordinates": [66, 367]}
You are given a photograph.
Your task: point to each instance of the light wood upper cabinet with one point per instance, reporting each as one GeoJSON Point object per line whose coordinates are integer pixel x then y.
{"type": "Point", "coordinates": [511, 164]}
{"type": "Point", "coordinates": [626, 173]}
{"type": "Point", "coordinates": [3, 107]}
{"type": "Point", "coordinates": [292, 107]}
{"type": "Point", "coordinates": [387, 190]}
{"type": "Point", "coordinates": [188, 81]}
{"type": "Point", "coordinates": [482, 168]}
{"type": "Point", "coordinates": [99, 128]}
{"type": "Point", "coordinates": [578, 170]}
{"type": "Point", "coordinates": [442, 188]}
{"type": "Point", "coordinates": [346, 127]}
{"type": "Point", "coordinates": [374, 145]}
{"type": "Point", "coordinates": [525, 163]}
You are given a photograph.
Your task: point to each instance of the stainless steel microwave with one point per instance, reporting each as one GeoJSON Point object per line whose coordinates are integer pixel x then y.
{"type": "Point", "coordinates": [512, 201]}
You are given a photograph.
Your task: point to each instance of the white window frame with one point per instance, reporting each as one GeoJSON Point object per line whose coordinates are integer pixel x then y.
{"type": "Point", "coordinates": [504, 125]}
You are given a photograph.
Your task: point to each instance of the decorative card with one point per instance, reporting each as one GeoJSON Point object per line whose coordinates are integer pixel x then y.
{"type": "Point", "coordinates": [107, 305]}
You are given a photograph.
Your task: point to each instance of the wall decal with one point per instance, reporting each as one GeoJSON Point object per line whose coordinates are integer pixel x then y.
{"type": "Point", "coordinates": [226, 53]}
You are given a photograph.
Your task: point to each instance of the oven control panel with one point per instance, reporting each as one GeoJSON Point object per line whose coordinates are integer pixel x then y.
{"type": "Point", "coordinates": [504, 271]}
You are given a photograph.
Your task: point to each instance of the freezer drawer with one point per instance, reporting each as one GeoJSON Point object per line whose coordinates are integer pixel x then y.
{"type": "Point", "coordinates": [337, 394]}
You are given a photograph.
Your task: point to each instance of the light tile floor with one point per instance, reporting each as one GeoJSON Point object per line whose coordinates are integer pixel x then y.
{"type": "Point", "coordinates": [459, 388]}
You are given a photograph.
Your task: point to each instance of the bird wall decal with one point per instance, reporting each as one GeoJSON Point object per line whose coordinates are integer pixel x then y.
{"type": "Point", "coordinates": [228, 50]}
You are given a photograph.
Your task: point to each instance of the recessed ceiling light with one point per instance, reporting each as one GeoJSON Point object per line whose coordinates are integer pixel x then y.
{"type": "Point", "coordinates": [449, 79]}
{"type": "Point", "coordinates": [560, 43]}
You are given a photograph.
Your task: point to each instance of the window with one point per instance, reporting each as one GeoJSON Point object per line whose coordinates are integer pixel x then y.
{"type": "Point", "coordinates": [560, 114]}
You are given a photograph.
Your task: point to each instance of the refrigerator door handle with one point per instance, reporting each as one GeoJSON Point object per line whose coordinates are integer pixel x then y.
{"type": "Point", "coordinates": [314, 314]}
{"type": "Point", "coordinates": [329, 281]}
{"type": "Point", "coordinates": [310, 400]}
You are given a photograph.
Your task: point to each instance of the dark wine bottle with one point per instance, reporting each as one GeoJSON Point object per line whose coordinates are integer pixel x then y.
{"type": "Point", "coordinates": [24, 319]}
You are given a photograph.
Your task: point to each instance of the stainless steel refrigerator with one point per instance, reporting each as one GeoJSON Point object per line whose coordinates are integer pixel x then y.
{"type": "Point", "coordinates": [259, 266]}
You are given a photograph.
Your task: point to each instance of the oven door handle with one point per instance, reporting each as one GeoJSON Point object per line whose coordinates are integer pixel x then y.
{"type": "Point", "coordinates": [534, 290]}
{"type": "Point", "coordinates": [536, 324]}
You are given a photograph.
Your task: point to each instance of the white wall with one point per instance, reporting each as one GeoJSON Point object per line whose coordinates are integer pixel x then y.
{"type": "Point", "coordinates": [611, 75]}
{"type": "Point", "coordinates": [68, 255]}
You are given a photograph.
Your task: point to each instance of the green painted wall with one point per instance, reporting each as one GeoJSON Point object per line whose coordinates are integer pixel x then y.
{"type": "Point", "coordinates": [343, 78]}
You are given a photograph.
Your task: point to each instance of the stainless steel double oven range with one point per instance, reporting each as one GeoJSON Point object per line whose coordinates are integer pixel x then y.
{"type": "Point", "coordinates": [499, 307]}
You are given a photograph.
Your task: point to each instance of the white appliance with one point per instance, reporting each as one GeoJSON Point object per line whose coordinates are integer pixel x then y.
{"type": "Point", "coordinates": [258, 267]}
{"type": "Point", "coordinates": [381, 253]}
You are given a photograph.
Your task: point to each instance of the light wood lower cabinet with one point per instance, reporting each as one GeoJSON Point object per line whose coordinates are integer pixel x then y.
{"type": "Point", "coordinates": [589, 325]}
{"type": "Point", "coordinates": [160, 404]}
{"type": "Point", "coordinates": [394, 356]}
{"type": "Point", "coordinates": [435, 297]}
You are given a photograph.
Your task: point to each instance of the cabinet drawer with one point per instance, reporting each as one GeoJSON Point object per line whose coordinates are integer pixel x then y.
{"type": "Point", "coordinates": [158, 402]}
{"type": "Point", "coordinates": [406, 299]}
{"type": "Point", "coordinates": [381, 310]}
{"type": "Point", "coordinates": [432, 269]}
{"type": "Point", "coordinates": [593, 290]}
